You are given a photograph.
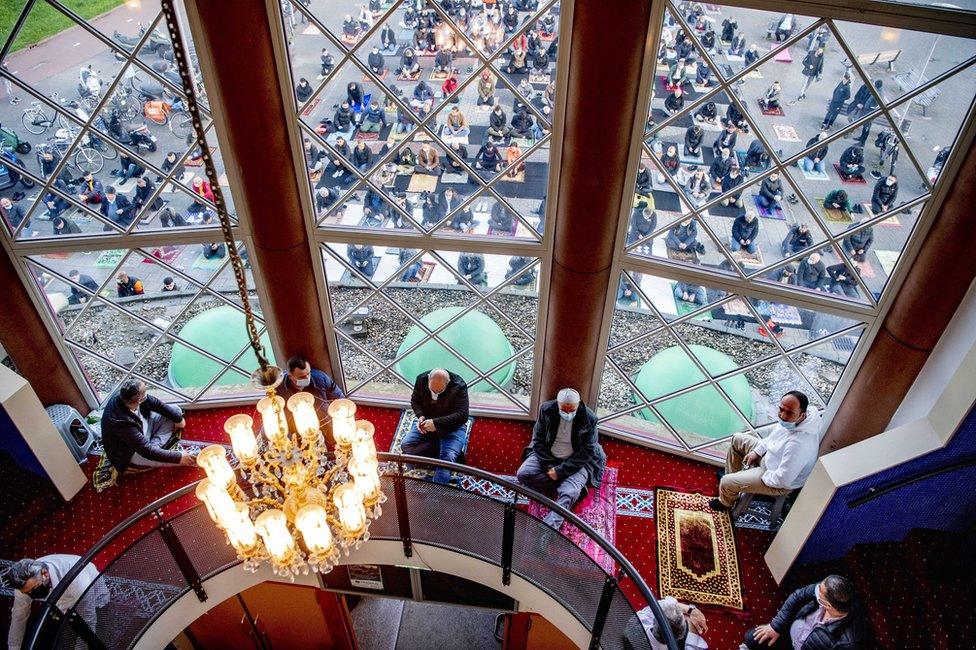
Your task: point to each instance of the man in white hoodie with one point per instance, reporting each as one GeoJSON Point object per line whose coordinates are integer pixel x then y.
{"type": "Point", "coordinates": [780, 463]}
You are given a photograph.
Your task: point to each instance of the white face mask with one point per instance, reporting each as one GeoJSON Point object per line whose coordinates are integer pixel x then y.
{"type": "Point", "coordinates": [302, 383]}
{"type": "Point", "coordinates": [568, 415]}
{"type": "Point", "coordinates": [789, 426]}
{"type": "Point", "coordinates": [889, 182]}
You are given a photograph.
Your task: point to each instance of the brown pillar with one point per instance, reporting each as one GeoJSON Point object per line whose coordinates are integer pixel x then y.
{"type": "Point", "coordinates": [245, 77]}
{"type": "Point", "coordinates": [594, 154]}
{"type": "Point", "coordinates": [31, 347]}
{"type": "Point", "coordinates": [939, 278]}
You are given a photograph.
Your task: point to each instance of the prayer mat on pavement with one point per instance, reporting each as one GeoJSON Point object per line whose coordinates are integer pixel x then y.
{"type": "Point", "coordinates": [422, 183]}
{"type": "Point", "coordinates": [208, 264]}
{"type": "Point", "coordinates": [696, 550]}
{"type": "Point", "coordinates": [754, 74]}
{"type": "Point", "coordinates": [108, 259]}
{"type": "Point", "coordinates": [381, 76]}
{"type": "Point", "coordinates": [866, 270]}
{"type": "Point", "coordinates": [775, 213]}
{"type": "Point", "coordinates": [783, 56]}
{"type": "Point", "coordinates": [887, 260]}
{"type": "Point", "coordinates": [778, 111]}
{"type": "Point", "coordinates": [748, 259]}
{"type": "Point", "coordinates": [599, 509]}
{"type": "Point", "coordinates": [815, 175]}
{"type": "Point", "coordinates": [366, 136]}
{"type": "Point", "coordinates": [683, 256]}
{"type": "Point", "coordinates": [837, 216]}
{"type": "Point", "coordinates": [786, 132]}
{"type": "Point", "coordinates": [851, 180]}
{"type": "Point", "coordinates": [307, 110]}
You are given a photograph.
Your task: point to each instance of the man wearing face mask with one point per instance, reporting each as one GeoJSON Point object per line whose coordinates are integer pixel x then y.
{"type": "Point", "coordinates": [34, 579]}
{"type": "Point", "coordinates": [302, 376]}
{"type": "Point", "coordinates": [440, 402]}
{"type": "Point", "coordinates": [564, 454]}
{"type": "Point", "coordinates": [140, 430]}
{"type": "Point", "coordinates": [775, 465]}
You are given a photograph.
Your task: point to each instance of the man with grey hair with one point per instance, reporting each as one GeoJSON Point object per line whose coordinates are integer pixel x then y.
{"type": "Point", "coordinates": [34, 579]}
{"type": "Point", "coordinates": [687, 624]}
{"type": "Point", "coordinates": [564, 454]}
{"type": "Point", "coordinates": [138, 429]}
{"type": "Point", "coordinates": [440, 402]}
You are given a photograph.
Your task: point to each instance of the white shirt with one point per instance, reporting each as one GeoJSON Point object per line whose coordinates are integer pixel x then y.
{"type": "Point", "coordinates": [802, 627]}
{"type": "Point", "coordinates": [788, 456]}
{"type": "Point", "coordinates": [562, 446]}
{"type": "Point", "coordinates": [58, 566]}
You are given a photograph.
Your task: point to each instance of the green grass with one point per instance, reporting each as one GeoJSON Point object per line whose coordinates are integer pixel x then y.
{"type": "Point", "coordinates": [44, 20]}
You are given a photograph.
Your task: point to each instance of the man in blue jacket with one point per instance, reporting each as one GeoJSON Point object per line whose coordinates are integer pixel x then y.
{"type": "Point", "coordinates": [564, 454]}
{"type": "Point", "coordinates": [301, 376]}
{"type": "Point", "coordinates": [138, 429]}
{"type": "Point", "coordinates": [821, 616]}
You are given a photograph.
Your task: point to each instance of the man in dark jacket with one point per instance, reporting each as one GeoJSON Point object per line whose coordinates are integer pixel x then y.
{"type": "Point", "coordinates": [472, 267]}
{"type": "Point", "coordinates": [798, 238]}
{"type": "Point", "coordinates": [842, 92]}
{"type": "Point", "coordinates": [812, 272]}
{"type": "Point", "coordinates": [440, 402]}
{"type": "Point", "coordinates": [683, 236]}
{"type": "Point", "coordinates": [693, 140]}
{"type": "Point", "coordinates": [842, 281]}
{"type": "Point", "coordinates": [822, 616]}
{"type": "Point", "coordinates": [885, 194]}
{"type": "Point", "coordinates": [361, 257]}
{"type": "Point", "coordinates": [745, 229]}
{"type": "Point", "coordinates": [858, 243]}
{"type": "Point", "coordinates": [721, 166]}
{"type": "Point", "coordinates": [116, 208]}
{"type": "Point", "coordinates": [731, 181]}
{"type": "Point", "coordinates": [88, 282]}
{"type": "Point", "coordinates": [138, 429]}
{"type": "Point", "coordinates": [564, 454]}
{"type": "Point", "coordinates": [771, 192]}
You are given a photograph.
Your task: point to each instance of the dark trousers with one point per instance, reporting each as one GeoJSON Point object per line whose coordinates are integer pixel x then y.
{"type": "Point", "coordinates": [782, 643]}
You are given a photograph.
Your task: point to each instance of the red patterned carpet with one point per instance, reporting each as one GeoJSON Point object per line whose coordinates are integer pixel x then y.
{"type": "Point", "coordinates": [495, 445]}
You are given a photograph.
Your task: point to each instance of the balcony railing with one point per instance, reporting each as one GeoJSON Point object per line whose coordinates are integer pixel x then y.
{"type": "Point", "coordinates": [171, 547]}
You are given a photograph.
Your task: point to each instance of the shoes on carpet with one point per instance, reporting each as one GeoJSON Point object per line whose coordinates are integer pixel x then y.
{"type": "Point", "coordinates": [718, 506]}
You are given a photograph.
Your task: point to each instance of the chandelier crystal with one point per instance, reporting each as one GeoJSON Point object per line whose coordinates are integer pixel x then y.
{"type": "Point", "coordinates": [303, 507]}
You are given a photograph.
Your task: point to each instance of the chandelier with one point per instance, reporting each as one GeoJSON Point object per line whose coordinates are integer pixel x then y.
{"type": "Point", "coordinates": [304, 505]}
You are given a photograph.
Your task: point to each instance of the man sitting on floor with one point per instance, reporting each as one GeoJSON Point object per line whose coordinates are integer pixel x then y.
{"type": "Point", "coordinates": [440, 402]}
{"type": "Point", "coordinates": [822, 616]}
{"type": "Point", "coordinates": [564, 454]}
{"type": "Point", "coordinates": [687, 624]}
{"type": "Point", "coordinates": [852, 162]}
{"type": "Point", "coordinates": [770, 101]}
{"type": "Point", "coordinates": [778, 464]}
{"type": "Point", "coordinates": [745, 229]}
{"type": "Point", "coordinates": [138, 429]}
{"type": "Point", "coordinates": [771, 192]}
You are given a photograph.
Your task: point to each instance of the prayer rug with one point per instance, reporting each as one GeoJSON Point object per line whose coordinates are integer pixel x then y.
{"type": "Point", "coordinates": [887, 260]}
{"type": "Point", "coordinates": [599, 509]}
{"type": "Point", "coordinates": [748, 259]}
{"type": "Point", "coordinates": [815, 175]}
{"type": "Point", "coordinates": [783, 56]}
{"type": "Point", "coordinates": [753, 74]}
{"type": "Point", "coordinates": [422, 183]}
{"type": "Point", "coordinates": [349, 41]}
{"type": "Point", "coordinates": [503, 233]}
{"type": "Point", "coordinates": [775, 213]}
{"type": "Point", "coordinates": [851, 180]}
{"type": "Point", "coordinates": [407, 418]}
{"type": "Point", "coordinates": [778, 111]}
{"type": "Point", "coordinates": [518, 178]}
{"type": "Point", "coordinates": [366, 136]}
{"type": "Point", "coordinates": [730, 211]}
{"type": "Point", "coordinates": [403, 77]}
{"type": "Point", "coordinates": [208, 264]}
{"type": "Point", "coordinates": [837, 216]}
{"type": "Point", "coordinates": [683, 256]}
{"type": "Point", "coordinates": [786, 132]}
{"type": "Point", "coordinates": [454, 178]}
{"type": "Point", "coordinates": [307, 110]}
{"type": "Point", "coordinates": [541, 79]}
{"type": "Point", "coordinates": [311, 30]}
{"type": "Point", "coordinates": [696, 551]}
{"type": "Point", "coordinates": [108, 259]}
{"type": "Point", "coordinates": [198, 162]}
{"type": "Point", "coordinates": [682, 307]}
{"type": "Point", "coordinates": [866, 270]}
{"type": "Point", "coordinates": [166, 253]}
{"type": "Point", "coordinates": [381, 76]}
{"type": "Point", "coordinates": [437, 76]}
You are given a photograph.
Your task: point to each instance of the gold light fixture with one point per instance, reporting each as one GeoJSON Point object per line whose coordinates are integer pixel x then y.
{"type": "Point", "coordinates": [303, 506]}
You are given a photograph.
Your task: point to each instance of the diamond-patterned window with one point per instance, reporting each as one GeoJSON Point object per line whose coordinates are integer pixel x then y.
{"type": "Point", "coordinates": [102, 97]}
{"type": "Point", "coordinates": [784, 156]}
{"type": "Point", "coordinates": [427, 125]}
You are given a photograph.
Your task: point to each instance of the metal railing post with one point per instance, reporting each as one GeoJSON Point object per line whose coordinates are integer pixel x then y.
{"type": "Point", "coordinates": [609, 587]}
{"type": "Point", "coordinates": [183, 562]}
{"type": "Point", "coordinates": [508, 542]}
{"type": "Point", "coordinates": [403, 517]}
{"type": "Point", "coordinates": [84, 632]}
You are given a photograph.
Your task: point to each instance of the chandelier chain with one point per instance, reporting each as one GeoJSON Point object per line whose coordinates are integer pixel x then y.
{"type": "Point", "coordinates": [193, 108]}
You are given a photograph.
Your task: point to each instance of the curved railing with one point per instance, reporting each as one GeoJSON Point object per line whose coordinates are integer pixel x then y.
{"type": "Point", "coordinates": [153, 558]}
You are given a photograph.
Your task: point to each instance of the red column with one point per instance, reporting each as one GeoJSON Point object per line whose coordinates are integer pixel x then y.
{"type": "Point", "coordinates": [602, 92]}
{"type": "Point", "coordinates": [245, 77]}
{"type": "Point", "coordinates": [31, 347]}
{"type": "Point", "coordinates": [939, 278]}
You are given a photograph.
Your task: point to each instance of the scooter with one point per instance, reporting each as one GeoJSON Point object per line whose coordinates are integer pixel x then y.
{"type": "Point", "coordinates": [12, 141]}
{"type": "Point", "coordinates": [148, 91]}
{"type": "Point", "coordinates": [9, 175]}
{"type": "Point", "coordinates": [89, 86]}
{"type": "Point", "coordinates": [139, 137]}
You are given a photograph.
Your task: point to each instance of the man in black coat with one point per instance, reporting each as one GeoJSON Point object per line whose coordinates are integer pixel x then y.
{"type": "Point", "coordinates": [885, 194]}
{"type": "Point", "coordinates": [440, 402]}
{"type": "Point", "coordinates": [564, 454]}
{"type": "Point", "coordinates": [821, 616]}
{"type": "Point", "coordinates": [842, 93]}
{"type": "Point", "coordinates": [138, 429]}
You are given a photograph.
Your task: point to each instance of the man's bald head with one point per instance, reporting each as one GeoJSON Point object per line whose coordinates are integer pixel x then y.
{"type": "Point", "coordinates": [438, 380]}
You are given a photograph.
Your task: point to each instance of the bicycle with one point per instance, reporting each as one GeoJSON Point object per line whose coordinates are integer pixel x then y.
{"type": "Point", "coordinates": [85, 159]}
{"type": "Point", "coordinates": [37, 120]}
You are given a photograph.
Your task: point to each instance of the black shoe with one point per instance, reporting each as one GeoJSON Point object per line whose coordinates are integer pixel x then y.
{"type": "Point", "coordinates": [718, 506]}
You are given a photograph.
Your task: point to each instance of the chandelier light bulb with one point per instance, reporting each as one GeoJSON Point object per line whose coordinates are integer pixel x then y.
{"type": "Point", "coordinates": [312, 522]}
{"type": "Point", "coordinates": [220, 505]}
{"type": "Point", "coordinates": [241, 532]}
{"type": "Point", "coordinates": [343, 414]}
{"type": "Point", "coordinates": [240, 428]}
{"type": "Point", "coordinates": [302, 407]}
{"type": "Point", "coordinates": [272, 410]}
{"type": "Point", "coordinates": [272, 526]}
{"type": "Point", "coordinates": [213, 460]}
{"type": "Point", "coordinates": [349, 503]}
{"type": "Point", "coordinates": [363, 445]}
{"type": "Point", "coordinates": [366, 474]}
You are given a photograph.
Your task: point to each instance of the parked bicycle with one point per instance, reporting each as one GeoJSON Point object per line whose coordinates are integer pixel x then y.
{"type": "Point", "coordinates": [38, 118]}
{"type": "Point", "coordinates": [85, 157]}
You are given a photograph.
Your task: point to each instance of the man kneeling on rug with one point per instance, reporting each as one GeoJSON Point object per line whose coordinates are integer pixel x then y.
{"type": "Point", "coordinates": [440, 401]}
{"type": "Point", "coordinates": [780, 463]}
{"type": "Point", "coordinates": [564, 453]}
{"type": "Point", "coordinates": [687, 624]}
{"type": "Point", "coordinates": [822, 616]}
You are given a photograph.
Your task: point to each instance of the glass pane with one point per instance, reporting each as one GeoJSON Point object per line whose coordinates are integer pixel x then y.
{"type": "Point", "coordinates": [632, 314]}
{"type": "Point", "coordinates": [101, 375]}
{"type": "Point", "coordinates": [823, 364]}
{"type": "Point", "coordinates": [793, 326]}
{"type": "Point", "coordinates": [703, 415]}
{"type": "Point", "coordinates": [767, 384]}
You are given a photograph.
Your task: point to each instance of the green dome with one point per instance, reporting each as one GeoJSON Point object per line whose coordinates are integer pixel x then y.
{"type": "Point", "coordinates": [703, 411]}
{"type": "Point", "coordinates": [221, 332]}
{"type": "Point", "coordinates": [475, 336]}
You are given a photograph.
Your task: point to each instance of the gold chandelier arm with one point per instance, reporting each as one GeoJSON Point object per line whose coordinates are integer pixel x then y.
{"type": "Point", "coordinates": [193, 108]}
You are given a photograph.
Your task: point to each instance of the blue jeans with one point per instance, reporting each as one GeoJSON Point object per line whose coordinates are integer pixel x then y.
{"type": "Point", "coordinates": [447, 447]}
{"type": "Point", "coordinates": [410, 272]}
{"type": "Point", "coordinates": [808, 165]}
{"type": "Point", "coordinates": [734, 245]}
